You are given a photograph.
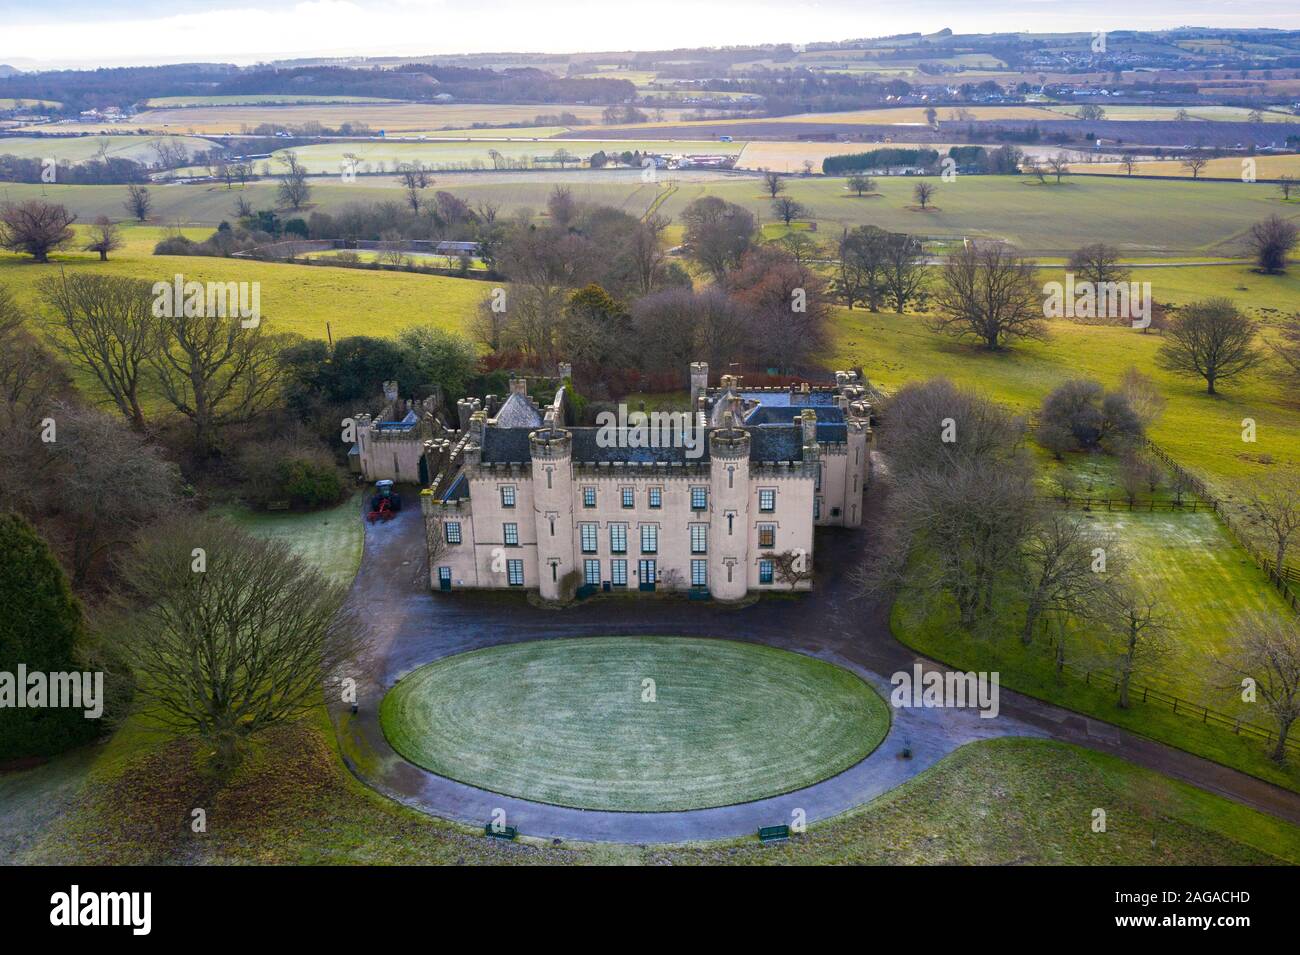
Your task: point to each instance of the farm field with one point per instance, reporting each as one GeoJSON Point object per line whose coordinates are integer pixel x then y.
{"type": "Point", "coordinates": [391, 117]}
{"type": "Point", "coordinates": [259, 99]}
{"type": "Point", "coordinates": [566, 722]}
{"type": "Point", "coordinates": [788, 156]}
{"type": "Point", "coordinates": [1143, 218]}
{"type": "Point", "coordinates": [294, 298]}
{"type": "Point", "coordinates": [1201, 432]}
{"type": "Point", "coordinates": [899, 115]}
{"type": "Point", "coordinates": [1224, 167]}
{"type": "Point", "coordinates": [74, 149]}
{"type": "Point", "coordinates": [1235, 114]}
{"type": "Point", "coordinates": [371, 154]}
{"type": "Point", "coordinates": [209, 204]}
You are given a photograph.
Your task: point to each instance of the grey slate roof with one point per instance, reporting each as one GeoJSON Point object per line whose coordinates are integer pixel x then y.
{"type": "Point", "coordinates": [518, 412]}
{"type": "Point", "coordinates": [769, 442]}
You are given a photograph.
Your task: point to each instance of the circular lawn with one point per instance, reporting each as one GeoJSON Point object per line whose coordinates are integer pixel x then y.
{"type": "Point", "coordinates": [647, 724]}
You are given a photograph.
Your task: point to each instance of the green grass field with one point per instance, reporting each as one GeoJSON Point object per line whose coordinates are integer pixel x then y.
{"type": "Point", "coordinates": [327, 158]}
{"type": "Point", "coordinates": [330, 540]}
{"type": "Point", "coordinates": [1203, 581]}
{"type": "Point", "coordinates": [567, 721]}
{"type": "Point", "coordinates": [1202, 432]}
{"type": "Point", "coordinates": [259, 99]}
{"type": "Point", "coordinates": [1026, 802]}
{"type": "Point", "coordinates": [294, 298]}
{"type": "Point", "coordinates": [75, 149]}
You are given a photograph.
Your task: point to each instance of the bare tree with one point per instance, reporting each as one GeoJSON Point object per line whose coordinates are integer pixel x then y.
{"type": "Point", "coordinates": [105, 325]}
{"type": "Point", "coordinates": [414, 178]}
{"type": "Point", "coordinates": [800, 245]}
{"type": "Point", "coordinates": [215, 372]}
{"type": "Point", "coordinates": [1143, 396]}
{"type": "Point", "coordinates": [1060, 561]}
{"type": "Point", "coordinates": [105, 237]}
{"type": "Point", "coordinates": [1274, 503]}
{"type": "Point", "coordinates": [773, 183]}
{"type": "Point", "coordinates": [243, 642]}
{"type": "Point", "coordinates": [36, 228]}
{"type": "Point", "coordinates": [1098, 263]}
{"type": "Point", "coordinates": [861, 184]}
{"type": "Point", "coordinates": [718, 234]}
{"type": "Point", "coordinates": [102, 482]}
{"type": "Point", "coordinates": [1271, 242]}
{"type": "Point", "coordinates": [1286, 185]}
{"type": "Point", "coordinates": [1265, 650]}
{"type": "Point", "coordinates": [904, 272]}
{"type": "Point", "coordinates": [1129, 162]}
{"type": "Point", "coordinates": [1195, 165]}
{"type": "Point", "coordinates": [1136, 635]}
{"type": "Point", "coordinates": [138, 202]}
{"type": "Point", "coordinates": [1059, 164]}
{"type": "Point", "coordinates": [294, 190]}
{"type": "Point", "coordinates": [787, 209]}
{"type": "Point", "coordinates": [790, 567]}
{"type": "Point", "coordinates": [1035, 168]}
{"type": "Point", "coordinates": [924, 192]}
{"type": "Point", "coordinates": [990, 293]}
{"type": "Point", "coordinates": [1212, 339]}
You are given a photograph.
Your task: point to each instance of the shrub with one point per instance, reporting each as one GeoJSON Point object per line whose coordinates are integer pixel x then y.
{"type": "Point", "coordinates": [290, 469]}
{"type": "Point", "coordinates": [1088, 414]}
{"type": "Point", "coordinates": [41, 628]}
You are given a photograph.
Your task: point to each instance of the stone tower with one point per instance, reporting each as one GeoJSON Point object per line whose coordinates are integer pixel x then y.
{"type": "Point", "coordinates": [552, 450]}
{"type": "Point", "coordinates": [699, 381]}
{"type": "Point", "coordinates": [729, 524]}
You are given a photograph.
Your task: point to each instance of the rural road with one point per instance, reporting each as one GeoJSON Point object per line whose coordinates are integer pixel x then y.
{"type": "Point", "coordinates": [411, 626]}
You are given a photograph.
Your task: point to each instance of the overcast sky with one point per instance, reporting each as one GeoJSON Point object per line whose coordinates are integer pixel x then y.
{"type": "Point", "coordinates": [115, 32]}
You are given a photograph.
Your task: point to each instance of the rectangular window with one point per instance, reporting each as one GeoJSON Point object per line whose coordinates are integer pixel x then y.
{"type": "Point", "coordinates": [629, 497]}
{"type": "Point", "coordinates": [507, 495]}
{"type": "Point", "coordinates": [699, 538]}
{"type": "Point", "coordinates": [764, 571]}
{"type": "Point", "coordinates": [699, 498]}
{"type": "Point", "coordinates": [767, 499]}
{"type": "Point", "coordinates": [699, 573]}
{"type": "Point", "coordinates": [618, 572]}
{"type": "Point", "coordinates": [452, 530]}
{"type": "Point", "coordinates": [656, 496]}
{"type": "Point", "coordinates": [817, 481]}
{"type": "Point", "coordinates": [588, 497]}
{"type": "Point", "coordinates": [589, 538]}
{"type": "Point", "coordinates": [591, 571]}
{"type": "Point", "coordinates": [649, 539]}
{"type": "Point", "coordinates": [510, 534]}
{"type": "Point", "coordinates": [766, 535]}
{"type": "Point", "coordinates": [817, 508]}
{"type": "Point", "coordinates": [515, 573]}
{"type": "Point", "coordinates": [618, 538]}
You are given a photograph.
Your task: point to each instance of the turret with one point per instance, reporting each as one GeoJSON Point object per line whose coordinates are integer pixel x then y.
{"type": "Point", "coordinates": [552, 453]}
{"type": "Point", "coordinates": [699, 381]}
{"type": "Point", "coordinates": [729, 491]}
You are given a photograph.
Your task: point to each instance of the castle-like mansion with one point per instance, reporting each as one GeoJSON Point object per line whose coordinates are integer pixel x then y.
{"type": "Point", "coordinates": [721, 500]}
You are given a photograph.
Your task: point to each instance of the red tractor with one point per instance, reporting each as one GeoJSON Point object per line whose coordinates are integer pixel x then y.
{"type": "Point", "coordinates": [385, 503]}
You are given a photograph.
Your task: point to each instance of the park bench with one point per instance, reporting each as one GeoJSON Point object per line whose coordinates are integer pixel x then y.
{"type": "Point", "coordinates": [494, 831]}
{"type": "Point", "coordinates": [774, 834]}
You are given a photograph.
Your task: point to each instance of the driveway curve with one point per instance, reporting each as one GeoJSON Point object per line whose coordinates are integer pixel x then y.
{"type": "Point", "coordinates": [411, 626]}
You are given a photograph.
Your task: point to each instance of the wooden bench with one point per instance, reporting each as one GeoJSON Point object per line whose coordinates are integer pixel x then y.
{"type": "Point", "coordinates": [774, 834]}
{"type": "Point", "coordinates": [277, 505]}
{"type": "Point", "coordinates": [494, 831]}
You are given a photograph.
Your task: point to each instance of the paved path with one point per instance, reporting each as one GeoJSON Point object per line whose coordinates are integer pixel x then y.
{"type": "Point", "coordinates": [412, 627]}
